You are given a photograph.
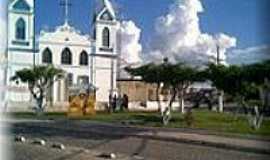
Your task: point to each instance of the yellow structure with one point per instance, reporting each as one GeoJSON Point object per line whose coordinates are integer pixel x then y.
{"type": "Point", "coordinates": [81, 103]}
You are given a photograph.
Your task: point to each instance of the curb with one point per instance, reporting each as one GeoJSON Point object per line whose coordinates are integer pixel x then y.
{"type": "Point", "coordinates": [190, 141]}
{"type": "Point", "coordinates": [206, 143]}
{"type": "Point", "coordinates": [187, 141]}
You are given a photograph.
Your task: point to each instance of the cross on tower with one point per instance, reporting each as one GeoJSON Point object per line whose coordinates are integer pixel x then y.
{"type": "Point", "coordinates": [65, 4]}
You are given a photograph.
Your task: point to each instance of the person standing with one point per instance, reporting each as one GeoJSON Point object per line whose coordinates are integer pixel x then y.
{"type": "Point", "coordinates": [114, 103]}
{"type": "Point", "coordinates": [125, 101]}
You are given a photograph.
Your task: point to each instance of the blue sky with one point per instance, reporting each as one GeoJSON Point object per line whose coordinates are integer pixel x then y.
{"type": "Point", "coordinates": [243, 19]}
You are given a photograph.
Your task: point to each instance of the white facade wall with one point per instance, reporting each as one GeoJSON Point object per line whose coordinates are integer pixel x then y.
{"type": "Point", "coordinates": [65, 37]}
{"type": "Point", "coordinates": [105, 57]}
{"type": "Point", "coordinates": [102, 64]}
{"type": "Point", "coordinates": [20, 54]}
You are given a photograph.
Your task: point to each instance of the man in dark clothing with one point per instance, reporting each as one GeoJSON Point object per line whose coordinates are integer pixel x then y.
{"type": "Point", "coordinates": [114, 101]}
{"type": "Point", "coordinates": [125, 101]}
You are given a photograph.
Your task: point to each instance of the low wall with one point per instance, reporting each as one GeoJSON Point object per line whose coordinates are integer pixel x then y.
{"type": "Point", "coordinates": [100, 106]}
{"type": "Point", "coordinates": [56, 107]}
{"type": "Point", "coordinates": [29, 107]}
{"type": "Point", "coordinates": [151, 106]}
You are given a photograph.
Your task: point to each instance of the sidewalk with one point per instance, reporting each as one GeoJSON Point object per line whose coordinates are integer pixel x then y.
{"type": "Point", "coordinates": [247, 145]}
{"type": "Point", "coordinates": [35, 152]}
{"type": "Point", "coordinates": [191, 137]}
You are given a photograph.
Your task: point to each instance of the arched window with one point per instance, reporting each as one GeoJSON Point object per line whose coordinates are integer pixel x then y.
{"type": "Point", "coordinates": [20, 29]}
{"type": "Point", "coordinates": [69, 79]}
{"type": "Point", "coordinates": [66, 57]}
{"type": "Point", "coordinates": [21, 5]}
{"type": "Point", "coordinates": [106, 37]}
{"type": "Point", "coordinates": [47, 56]}
{"type": "Point", "coordinates": [84, 58]}
{"type": "Point", "coordinates": [83, 80]}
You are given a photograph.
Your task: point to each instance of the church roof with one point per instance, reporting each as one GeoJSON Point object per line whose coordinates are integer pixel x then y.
{"type": "Point", "coordinates": [65, 34]}
{"type": "Point", "coordinates": [108, 5]}
{"type": "Point", "coordinates": [105, 6]}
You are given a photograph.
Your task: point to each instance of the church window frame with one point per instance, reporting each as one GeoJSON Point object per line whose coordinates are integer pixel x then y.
{"type": "Point", "coordinates": [47, 56]}
{"type": "Point", "coordinates": [84, 58]}
{"type": "Point", "coordinates": [21, 5]}
{"type": "Point", "coordinates": [106, 16]}
{"type": "Point", "coordinates": [20, 29]}
{"type": "Point", "coordinates": [106, 37]}
{"type": "Point", "coordinates": [83, 80]}
{"type": "Point", "coordinates": [69, 79]}
{"type": "Point", "coordinates": [66, 57]}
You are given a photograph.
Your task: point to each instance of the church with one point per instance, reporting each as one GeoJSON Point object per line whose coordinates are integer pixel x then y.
{"type": "Point", "coordinates": [85, 59]}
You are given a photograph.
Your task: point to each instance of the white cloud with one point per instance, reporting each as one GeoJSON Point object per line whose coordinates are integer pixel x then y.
{"type": "Point", "coordinates": [179, 37]}
{"type": "Point", "coordinates": [130, 42]}
{"type": "Point", "coordinates": [249, 55]}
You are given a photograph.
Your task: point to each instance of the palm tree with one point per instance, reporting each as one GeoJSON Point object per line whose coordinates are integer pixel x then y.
{"type": "Point", "coordinates": [39, 79]}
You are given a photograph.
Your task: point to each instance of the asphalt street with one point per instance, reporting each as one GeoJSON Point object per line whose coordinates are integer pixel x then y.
{"type": "Point", "coordinates": [106, 139]}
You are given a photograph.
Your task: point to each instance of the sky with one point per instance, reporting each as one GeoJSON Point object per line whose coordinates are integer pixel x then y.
{"type": "Point", "coordinates": [240, 18]}
{"type": "Point", "coordinates": [244, 20]}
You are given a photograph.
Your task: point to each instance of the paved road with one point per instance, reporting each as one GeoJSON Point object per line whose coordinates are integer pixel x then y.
{"type": "Point", "coordinates": [28, 151]}
{"type": "Point", "coordinates": [93, 136]}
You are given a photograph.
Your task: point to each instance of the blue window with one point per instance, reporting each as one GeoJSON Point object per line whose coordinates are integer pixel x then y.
{"type": "Point", "coordinates": [70, 79]}
{"type": "Point", "coordinates": [84, 58]}
{"type": "Point", "coordinates": [66, 57]}
{"type": "Point", "coordinates": [106, 37]}
{"type": "Point", "coordinates": [47, 56]}
{"type": "Point", "coordinates": [20, 29]}
{"type": "Point", "coordinates": [21, 5]}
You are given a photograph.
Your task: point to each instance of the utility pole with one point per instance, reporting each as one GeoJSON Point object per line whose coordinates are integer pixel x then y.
{"type": "Point", "coordinates": [218, 55]}
{"type": "Point", "coordinates": [220, 92]}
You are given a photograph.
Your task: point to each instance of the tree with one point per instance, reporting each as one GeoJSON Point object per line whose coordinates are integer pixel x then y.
{"type": "Point", "coordinates": [249, 85]}
{"type": "Point", "coordinates": [180, 77]}
{"type": "Point", "coordinates": [175, 77]}
{"type": "Point", "coordinates": [230, 79]}
{"type": "Point", "coordinates": [155, 74]}
{"type": "Point", "coordinates": [150, 73]}
{"type": "Point", "coordinates": [38, 79]}
{"type": "Point", "coordinates": [258, 75]}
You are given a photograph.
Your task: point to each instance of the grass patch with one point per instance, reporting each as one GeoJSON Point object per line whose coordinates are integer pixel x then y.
{"type": "Point", "coordinates": [32, 115]}
{"type": "Point", "coordinates": [224, 123]}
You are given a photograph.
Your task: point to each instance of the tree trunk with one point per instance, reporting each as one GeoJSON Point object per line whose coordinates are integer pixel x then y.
{"type": "Point", "coordinates": [157, 96]}
{"type": "Point", "coordinates": [181, 100]}
{"type": "Point", "coordinates": [40, 101]}
{"type": "Point", "coordinates": [244, 105]}
{"type": "Point", "coordinates": [172, 98]}
{"type": "Point", "coordinates": [182, 104]}
{"type": "Point", "coordinates": [166, 114]}
{"type": "Point", "coordinates": [264, 95]}
{"type": "Point", "coordinates": [220, 101]}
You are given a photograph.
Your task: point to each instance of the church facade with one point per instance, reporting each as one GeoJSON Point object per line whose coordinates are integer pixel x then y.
{"type": "Point", "coordinates": [85, 59]}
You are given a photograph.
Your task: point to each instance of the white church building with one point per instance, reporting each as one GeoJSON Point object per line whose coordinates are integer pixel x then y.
{"type": "Point", "coordinates": [85, 59]}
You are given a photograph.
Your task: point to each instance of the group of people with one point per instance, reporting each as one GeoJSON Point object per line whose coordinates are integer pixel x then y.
{"type": "Point", "coordinates": [120, 102]}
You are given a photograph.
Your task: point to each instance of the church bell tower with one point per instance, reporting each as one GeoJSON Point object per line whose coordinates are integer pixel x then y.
{"type": "Point", "coordinates": [21, 25]}
{"type": "Point", "coordinates": [106, 27]}
{"type": "Point", "coordinates": [104, 57]}
{"type": "Point", "coordinates": [21, 46]}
